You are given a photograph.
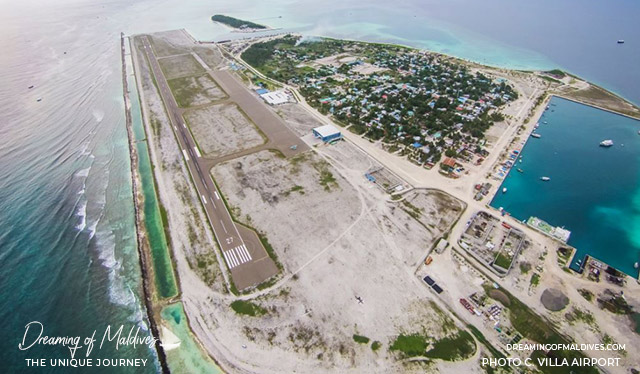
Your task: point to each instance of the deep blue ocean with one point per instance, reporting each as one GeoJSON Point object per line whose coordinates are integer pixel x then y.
{"type": "Point", "coordinates": [593, 191]}
{"type": "Point", "coordinates": [67, 248]}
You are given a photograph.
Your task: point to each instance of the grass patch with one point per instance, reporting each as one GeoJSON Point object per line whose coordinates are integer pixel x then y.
{"type": "Point", "coordinates": [247, 308]}
{"type": "Point", "coordinates": [535, 279]}
{"type": "Point", "coordinates": [525, 267]}
{"type": "Point", "coordinates": [296, 188]}
{"type": "Point", "coordinates": [376, 345]}
{"type": "Point", "coordinates": [480, 337]}
{"type": "Point", "coordinates": [410, 345]}
{"type": "Point", "coordinates": [502, 261]}
{"type": "Point", "coordinates": [361, 339]}
{"type": "Point", "coordinates": [588, 295]}
{"type": "Point", "coordinates": [539, 330]}
{"type": "Point", "coordinates": [452, 348]}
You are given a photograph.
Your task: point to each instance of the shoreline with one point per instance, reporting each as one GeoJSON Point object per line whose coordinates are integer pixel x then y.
{"type": "Point", "coordinates": [537, 118]}
{"type": "Point", "coordinates": [577, 101]}
{"type": "Point", "coordinates": [137, 203]}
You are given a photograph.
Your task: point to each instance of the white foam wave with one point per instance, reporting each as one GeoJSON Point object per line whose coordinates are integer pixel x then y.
{"type": "Point", "coordinates": [82, 213]}
{"type": "Point", "coordinates": [98, 115]}
{"type": "Point", "coordinates": [83, 172]}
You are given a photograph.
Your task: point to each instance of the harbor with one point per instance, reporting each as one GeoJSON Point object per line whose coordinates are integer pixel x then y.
{"type": "Point", "coordinates": [596, 216]}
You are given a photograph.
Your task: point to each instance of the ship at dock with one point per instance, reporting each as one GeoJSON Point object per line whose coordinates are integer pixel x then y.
{"type": "Point", "coordinates": [559, 233]}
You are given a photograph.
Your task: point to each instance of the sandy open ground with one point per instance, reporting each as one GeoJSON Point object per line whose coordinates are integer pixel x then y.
{"type": "Point", "coordinates": [222, 129]}
{"type": "Point", "coordinates": [194, 91]}
{"type": "Point", "coordinates": [338, 237]}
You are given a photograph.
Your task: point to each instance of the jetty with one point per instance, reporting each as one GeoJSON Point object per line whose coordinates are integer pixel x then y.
{"type": "Point", "coordinates": [558, 233]}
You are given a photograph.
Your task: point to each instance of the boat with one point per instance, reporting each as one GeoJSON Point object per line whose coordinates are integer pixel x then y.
{"type": "Point", "coordinates": [30, 87]}
{"type": "Point", "coordinates": [638, 132]}
{"type": "Point", "coordinates": [606, 143]}
{"type": "Point", "coordinates": [621, 41]}
{"type": "Point", "coordinates": [534, 135]}
{"type": "Point", "coordinates": [504, 190]}
{"type": "Point", "coordinates": [545, 122]}
{"type": "Point", "coordinates": [635, 266]}
{"type": "Point", "coordinates": [545, 179]}
{"type": "Point", "coordinates": [520, 170]}
{"type": "Point", "coordinates": [39, 99]}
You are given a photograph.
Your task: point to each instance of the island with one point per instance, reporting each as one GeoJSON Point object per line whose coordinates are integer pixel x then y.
{"type": "Point", "coordinates": [237, 23]}
{"type": "Point", "coordinates": [322, 207]}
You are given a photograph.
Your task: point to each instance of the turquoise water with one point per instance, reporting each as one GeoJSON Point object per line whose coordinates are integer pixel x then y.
{"type": "Point", "coordinates": [594, 191]}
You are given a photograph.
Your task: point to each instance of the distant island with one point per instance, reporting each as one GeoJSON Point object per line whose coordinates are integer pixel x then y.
{"type": "Point", "coordinates": [237, 23]}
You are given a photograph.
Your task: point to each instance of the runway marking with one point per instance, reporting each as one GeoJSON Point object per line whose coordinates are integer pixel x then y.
{"type": "Point", "coordinates": [204, 199]}
{"type": "Point", "coordinates": [236, 256]}
{"type": "Point", "coordinates": [217, 196]}
{"type": "Point", "coordinates": [246, 252]}
{"type": "Point", "coordinates": [226, 258]}
{"type": "Point", "coordinates": [241, 255]}
{"type": "Point", "coordinates": [235, 260]}
{"type": "Point", "coordinates": [185, 155]}
{"type": "Point", "coordinates": [197, 151]}
{"type": "Point", "coordinates": [223, 226]}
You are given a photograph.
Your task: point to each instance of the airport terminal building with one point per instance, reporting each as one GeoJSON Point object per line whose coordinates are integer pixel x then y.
{"type": "Point", "coordinates": [327, 133]}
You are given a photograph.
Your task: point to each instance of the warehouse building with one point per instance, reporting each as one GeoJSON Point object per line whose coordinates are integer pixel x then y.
{"type": "Point", "coordinates": [327, 133]}
{"type": "Point", "coordinates": [275, 98]}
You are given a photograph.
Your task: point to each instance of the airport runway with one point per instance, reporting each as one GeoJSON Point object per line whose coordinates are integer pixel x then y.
{"type": "Point", "coordinates": [243, 253]}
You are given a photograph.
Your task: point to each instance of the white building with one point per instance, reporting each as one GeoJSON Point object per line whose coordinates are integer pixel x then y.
{"type": "Point", "coordinates": [275, 98]}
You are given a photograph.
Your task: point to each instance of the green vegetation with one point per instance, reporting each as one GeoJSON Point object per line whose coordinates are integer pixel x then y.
{"type": "Point", "coordinates": [502, 260]}
{"type": "Point", "coordinates": [375, 345]}
{"type": "Point", "coordinates": [563, 255]}
{"type": "Point", "coordinates": [539, 330]}
{"type": "Point", "coordinates": [453, 348]}
{"type": "Point", "coordinates": [296, 188]}
{"type": "Point", "coordinates": [556, 73]}
{"type": "Point", "coordinates": [616, 304]}
{"type": "Point", "coordinates": [236, 23]}
{"type": "Point", "coordinates": [247, 308]}
{"type": "Point", "coordinates": [535, 279]}
{"type": "Point", "coordinates": [410, 345]}
{"type": "Point", "coordinates": [327, 180]}
{"type": "Point", "coordinates": [361, 339]}
{"type": "Point", "coordinates": [577, 314]}
{"type": "Point", "coordinates": [525, 267]}
{"type": "Point", "coordinates": [588, 295]}
{"type": "Point", "coordinates": [395, 94]}
{"type": "Point", "coordinates": [480, 337]}
{"type": "Point", "coordinates": [412, 210]}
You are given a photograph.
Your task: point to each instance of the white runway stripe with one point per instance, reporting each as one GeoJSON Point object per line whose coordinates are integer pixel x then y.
{"type": "Point", "coordinates": [235, 259]}
{"type": "Point", "coordinates": [241, 254]}
{"type": "Point", "coordinates": [226, 258]}
{"type": "Point", "coordinates": [246, 252]}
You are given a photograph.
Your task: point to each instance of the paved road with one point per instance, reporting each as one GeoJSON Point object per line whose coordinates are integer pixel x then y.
{"type": "Point", "coordinates": [244, 254]}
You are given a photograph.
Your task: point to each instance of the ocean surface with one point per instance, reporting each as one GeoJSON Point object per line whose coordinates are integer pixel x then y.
{"type": "Point", "coordinates": [594, 191]}
{"type": "Point", "coordinates": [67, 248]}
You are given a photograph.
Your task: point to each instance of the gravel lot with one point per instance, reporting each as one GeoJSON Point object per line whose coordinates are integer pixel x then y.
{"type": "Point", "coordinates": [222, 129]}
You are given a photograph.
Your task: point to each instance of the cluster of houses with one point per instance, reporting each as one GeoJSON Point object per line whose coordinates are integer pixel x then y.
{"type": "Point", "coordinates": [420, 104]}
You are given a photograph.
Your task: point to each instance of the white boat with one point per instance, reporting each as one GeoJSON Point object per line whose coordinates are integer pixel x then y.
{"type": "Point", "coordinates": [635, 266]}
{"type": "Point", "coordinates": [545, 179]}
{"type": "Point", "coordinates": [535, 135]}
{"type": "Point", "coordinates": [606, 143]}
{"type": "Point", "coordinates": [504, 190]}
